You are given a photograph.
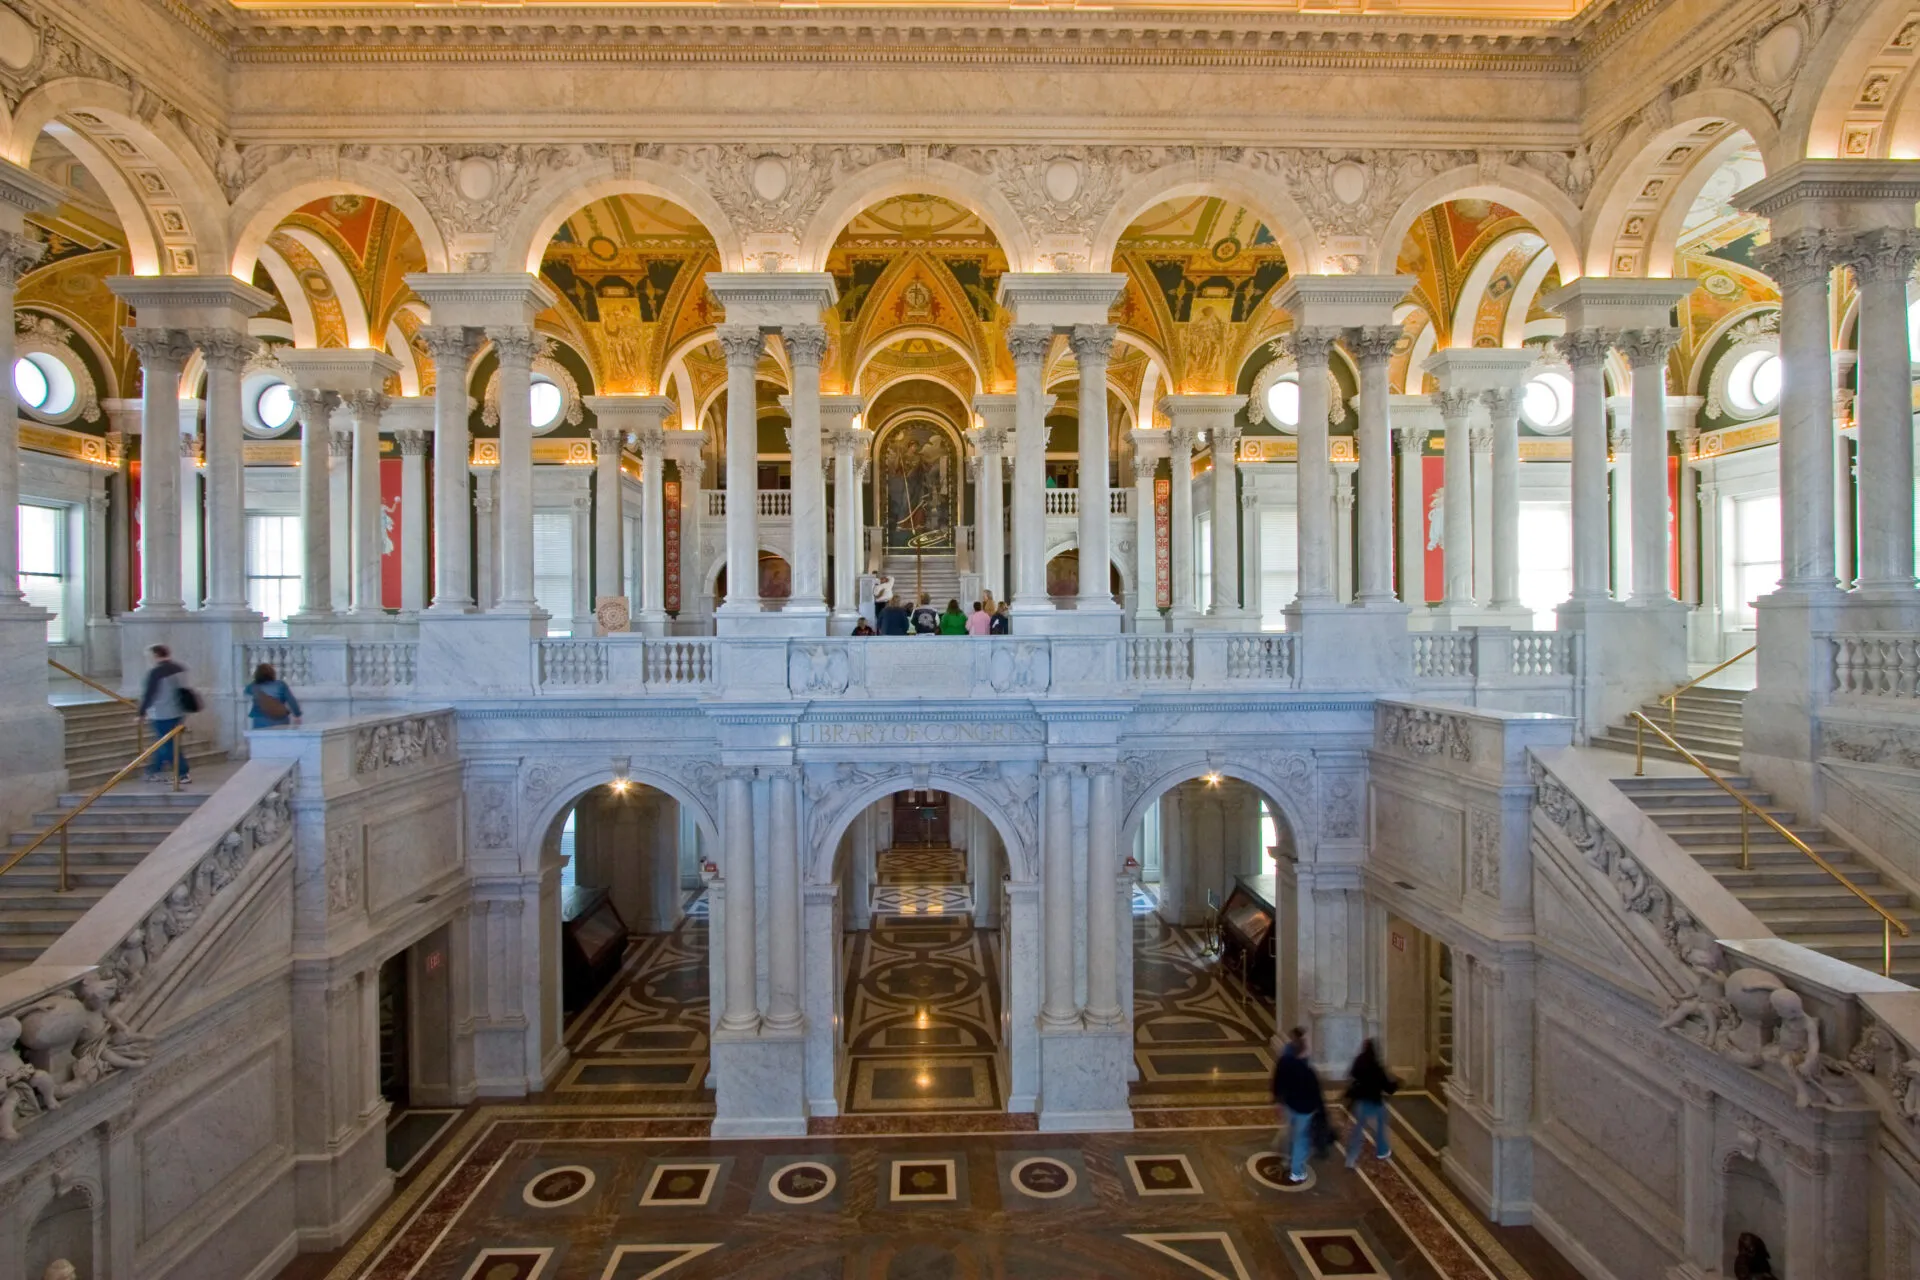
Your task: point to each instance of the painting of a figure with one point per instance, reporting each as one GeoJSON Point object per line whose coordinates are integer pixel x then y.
{"type": "Point", "coordinates": [919, 473]}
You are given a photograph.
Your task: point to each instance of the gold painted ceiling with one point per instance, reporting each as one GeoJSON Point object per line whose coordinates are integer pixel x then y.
{"type": "Point", "coordinates": [1494, 10]}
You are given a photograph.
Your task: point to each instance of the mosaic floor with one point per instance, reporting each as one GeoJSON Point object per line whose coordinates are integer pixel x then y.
{"type": "Point", "coordinates": [1198, 1039]}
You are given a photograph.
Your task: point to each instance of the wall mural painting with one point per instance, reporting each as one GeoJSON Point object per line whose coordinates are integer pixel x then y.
{"type": "Point", "coordinates": [919, 472]}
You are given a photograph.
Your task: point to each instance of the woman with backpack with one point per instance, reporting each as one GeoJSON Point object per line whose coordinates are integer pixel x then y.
{"type": "Point", "coordinates": [166, 701]}
{"type": "Point", "coordinates": [270, 703]}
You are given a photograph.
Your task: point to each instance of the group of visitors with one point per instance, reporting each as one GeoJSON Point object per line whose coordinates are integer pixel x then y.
{"type": "Point", "coordinates": [894, 617]}
{"type": "Point", "coordinates": [1298, 1098]}
{"type": "Point", "coordinates": [166, 700]}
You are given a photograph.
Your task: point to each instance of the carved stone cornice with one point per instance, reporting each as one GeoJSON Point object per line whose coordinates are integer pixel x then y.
{"type": "Point", "coordinates": [1454, 406]}
{"type": "Point", "coordinates": [1029, 343]}
{"type": "Point", "coordinates": [448, 345]}
{"type": "Point", "coordinates": [1644, 347]}
{"type": "Point", "coordinates": [1805, 257]}
{"type": "Point", "coordinates": [224, 349]}
{"type": "Point", "coordinates": [1584, 347]}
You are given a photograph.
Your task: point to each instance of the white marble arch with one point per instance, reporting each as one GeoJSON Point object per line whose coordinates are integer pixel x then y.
{"type": "Point", "coordinates": [904, 333]}
{"type": "Point", "coordinates": [193, 190]}
{"type": "Point", "coordinates": [1263, 193]}
{"type": "Point", "coordinates": [1827, 86]}
{"type": "Point", "coordinates": [143, 250]}
{"type": "Point", "coordinates": [824, 829]}
{"type": "Point", "coordinates": [1146, 776]}
{"type": "Point", "coordinates": [1547, 207]}
{"type": "Point", "coordinates": [521, 243]}
{"type": "Point", "coordinates": [970, 190]}
{"type": "Point", "coordinates": [284, 187]}
{"type": "Point", "coordinates": [710, 579]}
{"type": "Point", "coordinates": [572, 779]}
{"type": "Point", "coordinates": [1119, 561]}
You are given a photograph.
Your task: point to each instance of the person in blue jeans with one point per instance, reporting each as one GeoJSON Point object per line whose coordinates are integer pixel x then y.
{"type": "Point", "coordinates": [270, 703]}
{"type": "Point", "coordinates": [1296, 1093]}
{"type": "Point", "coordinates": [1368, 1084]}
{"type": "Point", "coordinates": [165, 707]}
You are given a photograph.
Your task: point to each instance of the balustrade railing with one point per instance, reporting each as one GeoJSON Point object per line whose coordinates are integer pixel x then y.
{"type": "Point", "coordinates": [1156, 659]}
{"type": "Point", "coordinates": [1542, 653]}
{"type": "Point", "coordinates": [677, 663]}
{"type": "Point", "coordinates": [370, 666]}
{"type": "Point", "coordinates": [1871, 664]}
{"type": "Point", "coordinates": [1442, 655]}
{"type": "Point", "coordinates": [1066, 502]}
{"type": "Point", "coordinates": [381, 664]}
{"type": "Point", "coordinates": [572, 664]}
{"type": "Point", "coordinates": [1492, 653]}
{"type": "Point", "coordinates": [773, 502]}
{"type": "Point", "coordinates": [291, 660]}
{"type": "Point", "coordinates": [1261, 657]}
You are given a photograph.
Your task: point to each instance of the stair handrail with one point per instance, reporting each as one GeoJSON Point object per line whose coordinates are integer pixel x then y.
{"type": "Point", "coordinates": [1672, 699]}
{"type": "Point", "coordinates": [176, 735]}
{"type": "Point", "coordinates": [1888, 921]}
{"type": "Point", "coordinates": [139, 721]}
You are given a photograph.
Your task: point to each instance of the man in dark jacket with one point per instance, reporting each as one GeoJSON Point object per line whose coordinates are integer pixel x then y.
{"type": "Point", "coordinates": [893, 618]}
{"type": "Point", "coordinates": [1368, 1084]}
{"type": "Point", "coordinates": [1296, 1094]}
{"type": "Point", "coordinates": [165, 705]}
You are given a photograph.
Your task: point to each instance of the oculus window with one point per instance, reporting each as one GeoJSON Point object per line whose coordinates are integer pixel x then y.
{"type": "Point", "coordinates": [44, 385]}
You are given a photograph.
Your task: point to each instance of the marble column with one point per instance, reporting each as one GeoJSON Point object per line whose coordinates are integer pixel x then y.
{"type": "Point", "coordinates": [1620, 514]}
{"type": "Point", "coordinates": [1104, 857]}
{"type": "Point", "coordinates": [1372, 348]}
{"type": "Point", "coordinates": [367, 408]}
{"type": "Point", "coordinates": [743, 345]}
{"type": "Point", "coordinates": [225, 352]}
{"type": "Point", "coordinates": [1029, 344]}
{"type": "Point", "coordinates": [1689, 513]}
{"type": "Point", "coordinates": [1413, 543]}
{"type": "Point", "coordinates": [162, 353]}
{"type": "Point", "coordinates": [609, 559]}
{"type": "Point", "coordinates": [1092, 347]}
{"type": "Point", "coordinates": [1311, 346]}
{"type": "Point", "coordinates": [1503, 412]}
{"type": "Point", "coordinates": [124, 415]}
{"type": "Point", "coordinates": [1146, 572]}
{"type": "Point", "coordinates": [315, 409]}
{"type": "Point", "coordinates": [1646, 351]}
{"type": "Point", "coordinates": [1480, 439]}
{"type": "Point", "coordinates": [1456, 533]}
{"type": "Point", "coordinates": [1224, 443]}
{"type": "Point", "coordinates": [1585, 352]}
{"type": "Point", "coordinates": [844, 443]}
{"type": "Point", "coordinates": [514, 345]}
{"type": "Point", "coordinates": [651, 438]}
{"type": "Point", "coordinates": [1343, 477]}
{"type": "Point", "coordinates": [486, 537]}
{"type": "Point", "coordinates": [1882, 262]}
{"type": "Point", "coordinates": [990, 516]}
{"type": "Point", "coordinates": [192, 508]}
{"type": "Point", "coordinates": [741, 1010]}
{"type": "Point", "coordinates": [19, 254]}
{"type": "Point", "coordinates": [1056, 854]}
{"type": "Point", "coordinates": [1801, 266]}
{"type": "Point", "coordinates": [1846, 542]}
{"type": "Point", "coordinates": [1180, 537]}
{"type": "Point", "coordinates": [412, 445]}
{"type": "Point", "coordinates": [340, 508]}
{"type": "Point", "coordinates": [806, 344]}
{"type": "Point", "coordinates": [451, 346]}
{"type": "Point", "coordinates": [783, 900]}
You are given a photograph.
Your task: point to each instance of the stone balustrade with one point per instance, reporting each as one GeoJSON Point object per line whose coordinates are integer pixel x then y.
{"type": "Point", "coordinates": [1066, 502]}
{"type": "Point", "coordinates": [1876, 665]}
{"type": "Point", "coordinates": [773, 502]}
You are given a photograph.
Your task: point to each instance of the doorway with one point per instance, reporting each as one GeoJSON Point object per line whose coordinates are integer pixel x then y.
{"type": "Point", "coordinates": [922, 820]}
{"type": "Point", "coordinates": [1417, 1041]}
{"type": "Point", "coordinates": [396, 1069]}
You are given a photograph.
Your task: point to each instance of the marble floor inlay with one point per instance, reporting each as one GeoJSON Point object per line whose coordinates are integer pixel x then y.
{"type": "Point", "coordinates": [1200, 1037]}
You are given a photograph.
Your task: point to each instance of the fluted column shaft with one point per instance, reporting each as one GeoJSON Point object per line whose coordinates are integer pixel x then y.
{"type": "Point", "coordinates": [845, 445]}
{"type": "Point", "coordinates": [316, 500]}
{"type": "Point", "coordinates": [1180, 446]}
{"type": "Point", "coordinates": [1882, 263]}
{"type": "Point", "coordinates": [162, 352]}
{"type": "Point", "coordinates": [806, 344]}
{"type": "Point", "coordinates": [514, 345]}
{"type": "Point", "coordinates": [1056, 853]}
{"type": "Point", "coordinates": [783, 901]}
{"type": "Point", "coordinates": [652, 440]}
{"type": "Point", "coordinates": [1311, 348]}
{"type": "Point", "coordinates": [18, 255]}
{"type": "Point", "coordinates": [1373, 348]}
{"type": "Point", "coordinates": [1585, 351]}
{"type": "Point", "coordinates": [1456, 535]}
{"type": "Point", "coordinates": [450, 346]}
{"type": "Point", "coordinates": [743, 345]}
{"type": "Point", "coordinates": [1801, 266]}
{"type": "Point", "coordinates": [1092, 347]}
{"type": "Point", "coordinates": [1146, 575]}
{"type": "Point", "coordinates": [367, 408]}
{"type": "Point", "coordinates": [1413, 560]}
{"type": "Point", "coordinates": [340, 505]}
{"type": "Point", "coordinates": [1481, 438]}
{"type": "Point", "coordinates": [609, 550]}
{"type": "Point", "coordinates": [226, 352]}
{"type": "Point", "coordinates": [1103, 927]}
{"type": "Point", "coordinates": [1029, 343]}
{"type": "Point", "coordinates": [1224, 440]}
{"type": "Point", "coordinates": [990, 519]}
{"type": "Point", "coordinates": [742, 1009]}
{"type": "Point", "coordinates": [413, 518]}
{"type": "Point", "coordinates": [1646, 351]}
{"type": "Point", "coordinates": [1503, 410]}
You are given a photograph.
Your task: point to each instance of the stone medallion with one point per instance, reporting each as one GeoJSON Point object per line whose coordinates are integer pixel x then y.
{"type": "Point", "coordinates": [556, 1187]}
{"type": "Point", "coordinates": [1043, 1178]}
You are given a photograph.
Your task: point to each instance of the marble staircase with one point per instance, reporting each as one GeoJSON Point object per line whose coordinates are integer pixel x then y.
{"type": "Point", "coordinates": [1706, 721]}
{"type": "Point", "coordinates": [937, 575]}
{"type": "Point", "coordinates": [1782, 886]}
{"type": "Point", "coordinates": [102, 736]}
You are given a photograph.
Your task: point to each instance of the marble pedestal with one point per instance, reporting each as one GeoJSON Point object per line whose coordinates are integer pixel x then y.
{"type": "Point", "coordinates": [1631, 651]}
{"type": "Point", "coordinates": [1083, 1079]}
{"type": "Point", "coordinates": [33, 767]}
{"type": "Point", "coordinates": [478, 655]}
{"type": "Point", "coordinates": [338, 1189]}
{"type": "Point", "coordinates": [1793, 677]}
{"type": "Point", "coordinates": [1493, 1168]}
{"type": "Point", "coordinates": [760, 1084]}
{"type": "Point", "coordinates": [1346, 646]}
{"type": "Point", "coordinates": [792, 624]}
{"type": "Point", "coordinates": [207, 644]}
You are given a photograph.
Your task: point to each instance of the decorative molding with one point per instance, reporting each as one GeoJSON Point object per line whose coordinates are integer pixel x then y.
{"type": "Point", "coordinates": [1421, 731]}
{"type": "Point", "coordinates": [400, 744]}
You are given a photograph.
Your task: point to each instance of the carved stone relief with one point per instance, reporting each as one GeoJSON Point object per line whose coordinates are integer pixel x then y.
{"type": "Point", "coordinates": [1424, 732]}
{"type": "Point", "coordinates": [396, 744]}
{"type": "Point", "coordinates": [1483, 852]}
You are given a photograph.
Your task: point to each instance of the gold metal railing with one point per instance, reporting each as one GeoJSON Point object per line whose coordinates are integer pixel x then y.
{"type": "Point", "coordinates": [1888, 921]}
{"type": "Point", "coordinates": [139, 721]}
{"type": "Point", "coordinates": [176, 735]}
{"type": "Point", "coordinates": [1672, 699]}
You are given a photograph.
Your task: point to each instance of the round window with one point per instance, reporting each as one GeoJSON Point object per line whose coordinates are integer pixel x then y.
{"type": "Point", "coordinates": [1754, 384]}
{"type": "Point", "coordinates": [548, 402]}
{"type": "Point", "coordinates": [1547, 402]}
{"type": "Point", "coordinates": [1283, 401]}
{"type": "Point", "coordinates": [274, 406]}
{"type": "Point", "coordinates": [43, 384]}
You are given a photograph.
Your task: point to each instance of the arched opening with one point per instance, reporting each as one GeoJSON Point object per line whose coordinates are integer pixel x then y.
{"type": "Point", "coordinates": [1214, 927]}
{"type": "Point", "coordinates": [1063, 579]}
{"type": "Point", "coordinates": [1416, 1039]}
{"type": "Point", "coordinates": [776, 580]}
{"type": "Point", "coordinates": [1753, 1240]}
{"type": "Point", "coordinates": [922, 1000]}
{"type": "Point", "coordinates": [63, 1231]}
{"type": "Point", "coordinates": [632, 944]}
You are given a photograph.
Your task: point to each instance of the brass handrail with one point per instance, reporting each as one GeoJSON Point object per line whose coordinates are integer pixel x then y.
{"type": "Point", "coordinates": [139, 721]}
{"type": "Point", "coordinates": [176, 735]}
{"type": "Point", "coordinates": [1672, 699]}
{"type": "Point", "coordinates": [1888, 921]}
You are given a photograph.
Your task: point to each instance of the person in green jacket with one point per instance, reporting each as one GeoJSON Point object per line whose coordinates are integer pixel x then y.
{"type": "Point", "coordinates": [953, 622]}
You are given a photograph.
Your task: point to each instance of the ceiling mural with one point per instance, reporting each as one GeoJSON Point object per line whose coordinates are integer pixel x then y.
{"type": "Point", "coordinates": [1441, 250]}
{"type": "Point", "coordinates": [377, 245]}
{"type": "Point", "coordinates": [85, 245]}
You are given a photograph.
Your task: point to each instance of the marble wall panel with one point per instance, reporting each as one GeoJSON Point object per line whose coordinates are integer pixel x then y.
{"type": "Point", "coordinates": [1611, 1109]}
{"type": "Point", "coordinates": [409, 848]}
{"type": "Point", "coordinates": [189, 1153]}
{"type": "Point", "coordinates": [1420, 838]}
{"type": "Point", "coordinates": [1590, 1228]}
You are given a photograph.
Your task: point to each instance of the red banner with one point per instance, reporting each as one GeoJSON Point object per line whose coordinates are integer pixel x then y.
{"type": "Point", "coordinates": [390, 525]}
{"type": "Point", "coordinates": [133, 534]}
{"type": "Point", "coordinates": [670, 513]}
{"type": "Point", "coordinates": [1162, 546]}
{"type": "Point", "coordinates": [1433, 473]}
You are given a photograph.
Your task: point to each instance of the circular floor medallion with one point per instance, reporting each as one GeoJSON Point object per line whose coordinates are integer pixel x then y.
{"type": "Point", "coordinates": [1270, 1170]}
{"type": "Point", "coordinates": [803, 1182]}
{"type": "Point", "coordinates": [1043, 1178]}
{"type": "Point", "coordinates": [558, 1187]}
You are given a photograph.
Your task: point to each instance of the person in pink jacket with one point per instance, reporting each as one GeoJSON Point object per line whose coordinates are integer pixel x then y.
{"type": "Point", "coordinates": [979, 621]}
